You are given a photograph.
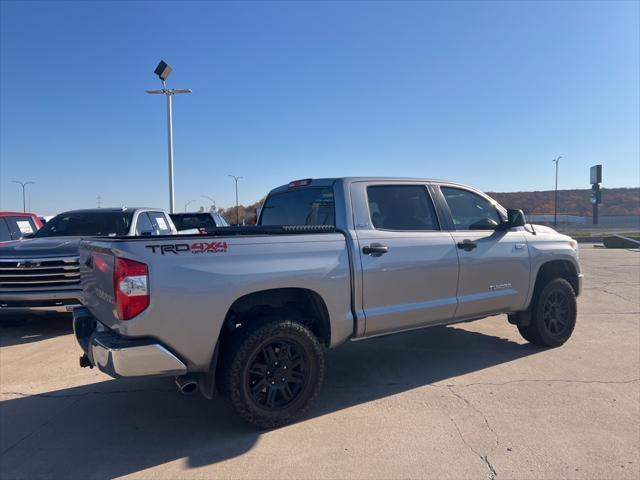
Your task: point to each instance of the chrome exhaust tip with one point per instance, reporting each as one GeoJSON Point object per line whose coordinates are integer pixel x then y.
{"type": "Point", "coordinates": [186, 384]}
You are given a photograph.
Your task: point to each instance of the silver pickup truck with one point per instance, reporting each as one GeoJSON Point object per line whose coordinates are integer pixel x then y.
{"type": "Point", "coordinates": [249, 311]}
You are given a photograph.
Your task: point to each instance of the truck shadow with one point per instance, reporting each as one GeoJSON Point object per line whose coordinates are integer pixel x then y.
{"type": "Point", "coordinates": [33, 328]}
{"type": "Point", "coordinates": [114, 428]}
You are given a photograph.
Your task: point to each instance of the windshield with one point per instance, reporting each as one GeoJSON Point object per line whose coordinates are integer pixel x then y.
{"type": "Point", "coordinates": [307, 206]}
{"type": "Point", "coordinates": [87, 224]}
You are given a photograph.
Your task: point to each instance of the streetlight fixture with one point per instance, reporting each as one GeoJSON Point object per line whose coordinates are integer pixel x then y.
{"type": "Point", "coordinates": [555, 203]}
{"type": "Point", "coordinates": [163, 70]}
{"type": "Point", "coordinates": [23, 184]}
{"type": "Point", "coordinates": [213, 202]}
{"type": "Point", "coordinates": [187, 204]}
{"type": "Point", "coordinates": [237, 208]}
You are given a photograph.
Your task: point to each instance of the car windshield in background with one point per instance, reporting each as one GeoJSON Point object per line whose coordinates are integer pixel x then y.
{"type": "Point", "coordinates": [87, 224]}
{"type": "Point", "coordinates": [305, 206]}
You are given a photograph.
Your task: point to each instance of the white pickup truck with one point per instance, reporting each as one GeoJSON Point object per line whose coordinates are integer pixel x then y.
{"type": "Point", "coordinates": [250, 310]}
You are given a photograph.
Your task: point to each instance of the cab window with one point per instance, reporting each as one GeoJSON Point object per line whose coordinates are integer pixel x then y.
{"type": "Point", "coordinates": [144, 225]}
{"type": "Point", "coordinates": [401, 208]}
{"type": "Point", "coordinates": [5, 234]}
{"type": "Point", "coordinates": [469, 210]}
{"type": "Point", "coordinates": [19, 226]}
{"type": "Point", "coordinates": [160, 223]}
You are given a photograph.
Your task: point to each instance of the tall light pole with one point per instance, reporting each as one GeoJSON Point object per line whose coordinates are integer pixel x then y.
{"type": "Point", "coordinates": [237, 207]}
{"type": "Point", "coordinates": [163, 70]}
{"type": "Point", "coordinates": [187, 204]}
{"type": "Point", "coordinates": [23, 184]}
{"type": "Point", "coordinates": [555, 203]}
{"type": "Point", "coordinates": [213, 202]}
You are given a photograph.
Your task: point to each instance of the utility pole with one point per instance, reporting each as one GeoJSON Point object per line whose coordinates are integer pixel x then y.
{"type": "Point", "coordinates": [595, 175]}
{"type": "Point", "coordinates": [163, 70]}
{"type": "Point", "coordinates": [237, 207]}
{"type": "Point", "coordinates": [555, 203]}
{"type": "Point", "coordinates": [99, 201]}
{"type": "Point", "coordinates": [23, 184]}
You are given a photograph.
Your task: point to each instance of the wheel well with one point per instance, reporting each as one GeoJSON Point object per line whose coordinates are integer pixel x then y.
{"type": "Point", "coordinates": [557, 269]}
{"type": "Point", "coordinates": [300, 304]}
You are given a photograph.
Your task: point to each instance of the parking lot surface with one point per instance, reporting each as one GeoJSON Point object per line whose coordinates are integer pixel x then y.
{"type": "Point", "coordinates": [467, 401]}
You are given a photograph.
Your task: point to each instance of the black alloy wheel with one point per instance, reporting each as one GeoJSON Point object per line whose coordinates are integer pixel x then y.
{"type": "Point", "coordinates": [271, 372]}
{"type": "Point", "coordinates": [277, 374]}
{"type": "Point", "coordinates": [553, 314]}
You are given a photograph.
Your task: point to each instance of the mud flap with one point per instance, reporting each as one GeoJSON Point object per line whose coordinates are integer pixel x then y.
{"type": "Point", "coordinates": [520, 318]}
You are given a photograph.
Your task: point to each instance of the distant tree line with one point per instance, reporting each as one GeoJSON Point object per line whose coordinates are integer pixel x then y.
{"type": "Point", "coordinates": [615, 201]}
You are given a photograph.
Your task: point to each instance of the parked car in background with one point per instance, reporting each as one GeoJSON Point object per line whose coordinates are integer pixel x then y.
{"type": "Point", "coordinates": [251, 309]}
{"type": "Point", "coordinates": [41, 274]}
{"type": "Point", "coordinates": [15, 225]}
{"type": "Point", "coordinates": [202, 221]}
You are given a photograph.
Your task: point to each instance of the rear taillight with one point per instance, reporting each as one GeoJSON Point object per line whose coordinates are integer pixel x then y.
{"type": "Point", "coordinates": [131, 287]}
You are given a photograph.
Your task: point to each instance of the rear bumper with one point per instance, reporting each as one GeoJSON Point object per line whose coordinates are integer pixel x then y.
{"type": "Point", "coordinates": [20, 302]}
{"type": "Point", "coordinates": [120, 356]}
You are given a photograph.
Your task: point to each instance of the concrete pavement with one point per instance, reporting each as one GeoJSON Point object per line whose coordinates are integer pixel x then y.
{"type": "Point", "coordinates": [469, 401]}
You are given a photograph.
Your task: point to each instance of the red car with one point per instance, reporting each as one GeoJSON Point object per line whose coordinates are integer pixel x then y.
{"type": "Point", "coordinates": [15, 225]}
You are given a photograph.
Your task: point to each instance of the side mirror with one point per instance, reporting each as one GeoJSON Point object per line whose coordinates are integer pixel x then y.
{"type": "Point", "coordinates": [515, 218]}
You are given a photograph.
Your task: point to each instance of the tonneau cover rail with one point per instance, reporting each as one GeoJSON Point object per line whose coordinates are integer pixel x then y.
{"type": "Point", "coordinates": [252, 230]}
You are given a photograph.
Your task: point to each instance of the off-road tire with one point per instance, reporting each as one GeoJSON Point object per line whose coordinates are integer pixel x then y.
{"type": "Point", "coordinates": [247, 350]}
{"type": "Point", "coordinates": [553, 315]}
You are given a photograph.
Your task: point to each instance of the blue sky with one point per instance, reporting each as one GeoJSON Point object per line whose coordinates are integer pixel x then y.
{"type": "Point", "coordinates": [481, 92]}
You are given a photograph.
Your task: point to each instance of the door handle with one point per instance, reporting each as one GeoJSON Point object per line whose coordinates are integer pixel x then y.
{"type": "Point", "coordinates": [466, 245]}
{"type": "Point", "coordinates": [375, 249]}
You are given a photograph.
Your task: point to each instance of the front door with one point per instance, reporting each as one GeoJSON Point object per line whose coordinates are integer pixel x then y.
{"type": "Point", "coordinates": [494, 265]}
{"type": "Point", "coordinates": [409, 264]}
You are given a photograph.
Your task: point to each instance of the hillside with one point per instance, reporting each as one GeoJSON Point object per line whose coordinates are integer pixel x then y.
{"type": "Point", "coordinates": [615, 201]}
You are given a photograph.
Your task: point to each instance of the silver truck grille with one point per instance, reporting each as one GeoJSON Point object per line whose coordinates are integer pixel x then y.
{"type": "Point", "coordinates": [44, 272]}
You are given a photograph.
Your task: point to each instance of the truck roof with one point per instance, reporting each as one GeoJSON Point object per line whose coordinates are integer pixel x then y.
{"type": "Point", "coordinates": [110, 209]}
{"type": "Point", "coordinates": [327, 182]}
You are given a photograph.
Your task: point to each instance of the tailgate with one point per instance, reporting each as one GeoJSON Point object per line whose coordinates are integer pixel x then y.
{"type": "Point", "coordinates": [96, 278]}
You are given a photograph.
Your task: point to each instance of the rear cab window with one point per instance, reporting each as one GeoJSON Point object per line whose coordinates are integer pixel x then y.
{"type": "Point", "coordinates": [193, 220]}
{"type": "Point", "coordinates": [300, 206]}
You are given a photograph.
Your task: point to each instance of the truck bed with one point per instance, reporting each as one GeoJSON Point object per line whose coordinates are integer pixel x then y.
{"type": "Point", "coordinates": [195, 279]}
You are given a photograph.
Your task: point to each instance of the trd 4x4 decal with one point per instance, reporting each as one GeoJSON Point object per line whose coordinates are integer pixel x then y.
{"type": "Point", "coordinates": [198, 247]}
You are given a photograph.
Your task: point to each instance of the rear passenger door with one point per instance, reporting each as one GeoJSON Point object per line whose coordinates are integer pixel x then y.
{"type": "Point", "coordinates": [409, 264]}
{"type": "Point", "coordinates": [494, 264]}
